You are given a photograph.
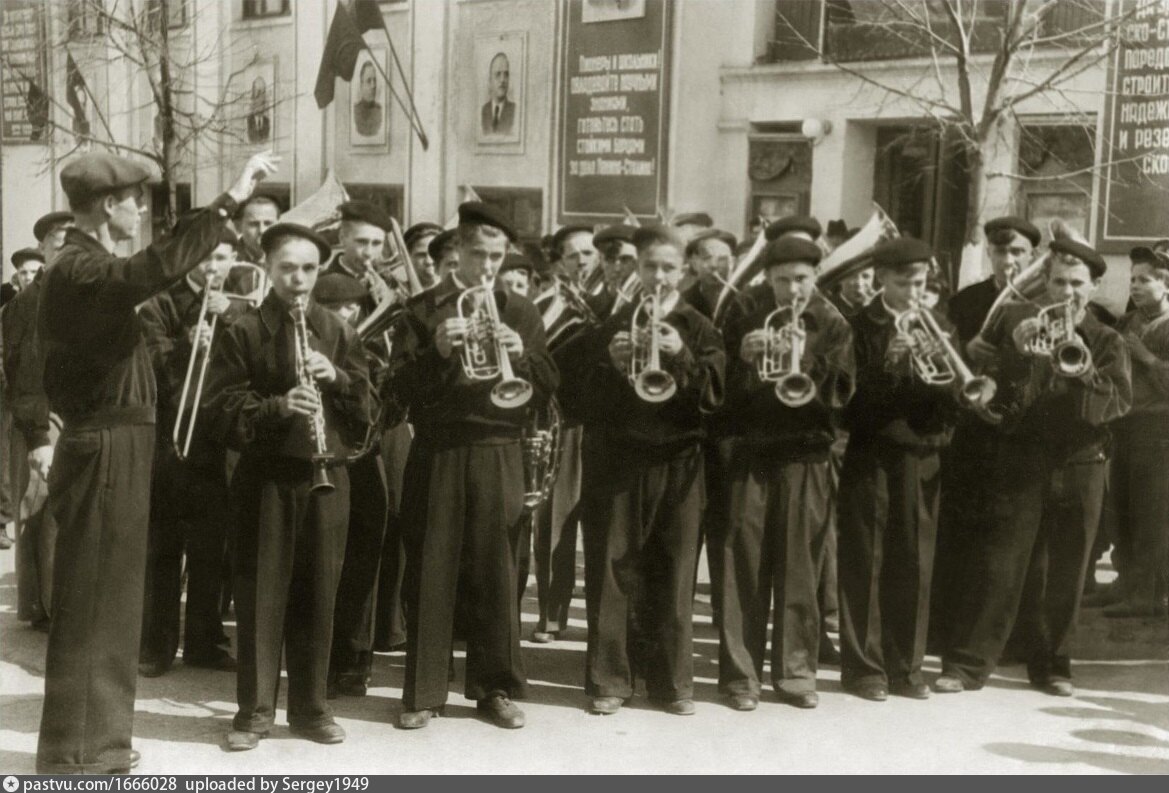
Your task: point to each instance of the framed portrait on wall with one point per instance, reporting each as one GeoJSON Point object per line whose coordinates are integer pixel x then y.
{"type": "Point", "coordinates": [610, 10]}
{"type": "Point", "coordinates": [500, 66]}
{"type": "Point", "coordinates": [369, 101]}
{"type": "Point", "coordinates": [775, 206]}
{"type": "Point", "coordinates": [257, 95]}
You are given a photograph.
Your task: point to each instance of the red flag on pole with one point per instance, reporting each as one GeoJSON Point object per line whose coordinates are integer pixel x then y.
{"type": "Point", "coordinates": [339, 59]}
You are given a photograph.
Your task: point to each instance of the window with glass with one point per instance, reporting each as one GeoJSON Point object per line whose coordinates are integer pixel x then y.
{"type": "Point", "coordinates": [261, 9]}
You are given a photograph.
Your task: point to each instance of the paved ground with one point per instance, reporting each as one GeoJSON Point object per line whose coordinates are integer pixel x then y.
{"type": "Point", "coordinates": [1118, 721]}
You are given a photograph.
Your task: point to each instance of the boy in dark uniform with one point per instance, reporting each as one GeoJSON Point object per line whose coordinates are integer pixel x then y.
{"type": "Point", "coordinates": [290, 535]}
{"type": "Point", "coordinates": [464, 481]}
{"type": "Point", "coordinates": [1048, 485]}
{"type": "Point", "coordinates": [889, 483]}
{"type": "Point", "coordinates": [98, 379]}
{"type": "Point", "coordinates": [780, 495]}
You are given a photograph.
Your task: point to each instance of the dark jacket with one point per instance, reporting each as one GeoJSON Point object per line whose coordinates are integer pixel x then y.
{"type": "Point", "coordinates": [24, 366]}
{"type": "Point", "coordinates": [254, 367]}
{"type": "Point", "coordinates": [969, 307]}
{"type": "Point", "coordinates": [1150, 381]}
{"type": "Point", "coordinates": [97, 370]}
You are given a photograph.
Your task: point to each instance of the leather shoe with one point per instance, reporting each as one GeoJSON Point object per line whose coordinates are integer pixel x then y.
{"type": "Point", "coordinates": [874, 692]}
{"type": "Point", "coordinates": [543, 637]}
{"type": "Point", "coordinates": [221, 661]}
{"type": "Point", "coordinates": [153, 668]}
{"type": "Point", "coordinates": [242, 740]}
{"type": "Point", "coordinates": [680, 707]}
{"type": "Point", "coordinates": [744, 702]}
{"type": "Point", "coordinates": [904, 688]}
{"type": "Point", "coordinates": [501, 711]}
{"type": "Point", "coordinates": [949, 684]}
{"type": "Point", "coordinates": [120, 762]}
{"type": "Point", "coordinates": [803, 699]}
{"type": "Point", "coordinates": [1056, 687]}
{"type": "Point", "coordinates": [326, 733]}
{"type": "Point", "coordinates": [415, 719]}
{"type": "Point", "coordinates": [605, 706]}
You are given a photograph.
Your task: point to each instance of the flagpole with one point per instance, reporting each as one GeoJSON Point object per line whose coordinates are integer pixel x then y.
{"type": "Point", "coordinates": [409, 94]}
{"type": "Point", "coordinates": [89, 93]}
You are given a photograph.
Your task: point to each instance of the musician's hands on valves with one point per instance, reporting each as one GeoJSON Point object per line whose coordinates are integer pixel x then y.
{"type": "Point", "coordinates": [754, 344]}
{"type": "Point", "coordinates": [451, 333]}
{"type": "Point", "coordinates": [1024, 334]}
{"type": "Point", "coordinates": [900, 347]}
{"type": "Point", "coordinates": [258, 167]}
{"type": "Point", "coordinates": [301, 400]}
{"type": "Point", "coordinates": [320, 367]}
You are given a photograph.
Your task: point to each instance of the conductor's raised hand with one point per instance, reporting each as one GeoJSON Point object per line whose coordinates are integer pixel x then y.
{"type": "Point", "coordinates": [300, 400]}
{"type": "Point", "coordinates": [256, 169]}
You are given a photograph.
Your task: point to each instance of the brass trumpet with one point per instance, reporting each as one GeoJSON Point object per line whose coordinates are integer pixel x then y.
{"type": "Point", "coordinates": [936, 362]}
{"type": "Point", "coordinates": [304, 377]}
{"type": "Point", "coordinates": [649, 380]}
{"type": "Point", "coordinates": [784, 347]}
{"type": "Point", "coordinates": [184, 429]}
{"type": "Point", "coordinates": [484, 356]}
{"type": "Point", "coordinates": [1057, 339]}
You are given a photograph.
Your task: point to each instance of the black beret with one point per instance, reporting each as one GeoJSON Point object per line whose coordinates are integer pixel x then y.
{"type": "Point", "coordinates": [645, 236]}
{"type": "Point", "coordinates": [333, 288]}
{"type": "Point", "coordinates": [26, 254]}
{"type": "Point", "coordinates": [442, 240]}
{"type": "Point", "coordinates": [621, 231]}
{"type": "Point", "coordinates": [1085, 253]}
{"type": "Point", "coordinates": [808, 225]}
{"type": "Point", "coordinates": [419, 230]}
{"type": "Point", "coordinates": [281, 230]}
{"type": "Point", "coordinates": [788, 250]}
{"type": "Point", "coordinates": [837, 228]}
{"type": "Point", "coordinates": [365, 212]}
{"type": "Point", "coordinates": [693, 219]}
{"type": "Point", "coordinates": [724, 237]}
{"type": "Point", "coordinates": [567, 231]}
{"type": "Point", "coordinates": [1142, 254]}
{"type": "Point", "coordinates": [93, 175]}
{"type": "Point", "coordinates": [1013, 223]}
{"type": "Point", "coordinates": [516, 261]}
{"type": "Point", "coordinates": [484, 215]}
{"type": "Point", "coordinates": [45, 223]}
{"type": "Point", "coordinates": [900, 251]}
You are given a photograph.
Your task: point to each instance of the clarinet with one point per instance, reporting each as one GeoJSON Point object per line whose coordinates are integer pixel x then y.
{"type": "Point", "coordinates": [304, 377]}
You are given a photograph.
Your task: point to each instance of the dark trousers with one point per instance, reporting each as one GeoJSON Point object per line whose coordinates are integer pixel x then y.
{"type": "Point", "coordinates": [779, 513]}
{"type": "Point", "coordinates": [390, 617]}
{"type": "Point", "coordinates": [461, 512]}
{"type": "Point", "coordinates": [36, 538]}
{"type": "Point", "coordinates": [646, 513]}
{"type": "Point", "coordinates": [1030, 567]}
{"type": "Point", "coordinates": [100, 496]}
{"type": "Point", "coordinates": [353, 616]}
{"type": "Point", "coordinates": [888, 509]}
{"type": "Point", "coordinates": [717, 454]}
{"type": "Point", "coordinates": [555, 538]}
{"type": "Point", "coordinates": [189, 515]}
{"type": "Point", "coordinates": [1140, 493]}
{"type": "Point", "coordinates": [829, 591]}
{"type": "Point", "coordinates": [286, 562]}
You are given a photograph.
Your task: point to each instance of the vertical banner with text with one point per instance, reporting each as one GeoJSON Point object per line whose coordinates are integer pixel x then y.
{"type": "Point", "coordinates": [1136, 123]}
{"type": "Point", "coordinates": [615, 120]}
{"type": "Point", "coordinates": [22, 71]}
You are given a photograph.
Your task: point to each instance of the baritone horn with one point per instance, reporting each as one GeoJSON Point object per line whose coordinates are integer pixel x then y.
{"type": "Point", "coordinates": [251, 275]}
{"type": "Point", "coordinates": [936, 362]}
{"type": "Point", "coordinates": [484, 356]}
{"type": "Point", "coordinates": [649, 380]}
{"type": "Point", "coordinates": [1057, 338]}
{"type": "Point", "coordinates": [784, 342]}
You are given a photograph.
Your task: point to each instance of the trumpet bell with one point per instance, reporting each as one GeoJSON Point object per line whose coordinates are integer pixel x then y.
{"type": "Point", "coordinates": [1071, 358]}
{"type": "Point", "coordinates": [795, 389]}
{"type": "Point", "coordinates": [655, 385]}
{"type": "Point", "coordinates": [512, 393]}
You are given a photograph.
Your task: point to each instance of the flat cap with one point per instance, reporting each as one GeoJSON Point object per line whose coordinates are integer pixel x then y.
{"type": "Point", "coordinates": [564, 233]}
{"type": "Point", "coordinates": [1142, 254]}
{"type": "Point", "coordinates": [724, 237]}
{"type": "Point", "coordinates": [693, 219]}
{"type": "Point", "coordinates": [788, 250]}
{"type": "Point", "coordinates": [645, 236]}
{"type": "Point", "coordinates": [333, 288]}
{"type": "Point", "coordinates": [619, 231]}
{"type": "Point", "coordinates": [1085, 253]}
{"type": "Point", "coordinates": [794, 223]}
{"type": "Point", "coordinates": [1013, 223]}
{"type": "Point", "coordinates": [46, 223]}
{"type": "Point", "coordinates": [27, 254]}
{"type": "Point", "coordinates": [479, 213]}
{"type": "Point", "coordinates": [443, 240]}
{"type": "Point", "coordinates": [516, 261]}
{"type": "Point", "coordinates": [901, 251]}
{"type": "Point", "coordinates": [93, 175]}
{"type": "Point", "coordinates": [281, 230]}
{"type": "Point", "coordinates": [420, 230]}
{"type": "Point", "coordinates": [365, 212]}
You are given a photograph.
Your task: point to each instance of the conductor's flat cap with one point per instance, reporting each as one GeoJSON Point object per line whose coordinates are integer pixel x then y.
{"type": "Point", "coordinates": [620, 231]}
{"type": "Point", "coordinates": [93, 175]}
{"type": "Point", "coordinates": [693, 219]}
{"type": "Point", "coordinates": [282, 230]}
{"type": "Point", "coordinates": [1084, 253]}
{"type": "Point", "coordinates": [440, 242]}
{"type": "Point", "coordinates": [479, 213]}
{"type": "Point", "coordinates": [646, 236]}
{"type": "Point", "coordinates": [1013, 223]}
{"type": "Point", "coordinates": [794, 223]}
{"type": "Point", "coordinates": [365, 212]}
{"type": "Point", "coordinates": [420, 230]}
{"type": "Point", "coordinates": [789, 250]}
{"type": "Point", "coordinates": [724, 237]}
{"type": "Point", "coordinates": [333, 288]}
{"type": "Point", "coordinates": [901, 251]}
{"type": "Point", "coordinates": [46, 223]}
{"type": "Point", "coordinates": [25, 255]}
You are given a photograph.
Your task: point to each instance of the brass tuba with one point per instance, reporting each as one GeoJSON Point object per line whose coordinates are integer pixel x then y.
{"type": "Point", "coordinates": [935, 361]}
{"type": "Point", "coordinates": [1057, 339]}
{"type": "Point", "coordinates": [484, 357]}
{"type": "Point", "coordinates": [304, 377]}
{"type": "Point", "coordinates": [651, 382]}
{"type": "Point", "coordinates": [780, 361]}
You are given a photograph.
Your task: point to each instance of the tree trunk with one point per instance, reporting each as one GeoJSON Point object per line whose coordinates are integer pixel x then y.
{"type": "Point", "coordinates": [975, 193]}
